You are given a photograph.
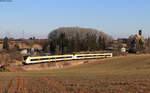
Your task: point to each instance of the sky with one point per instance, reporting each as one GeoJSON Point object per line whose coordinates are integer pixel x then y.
{"type": "Point", "coordinates": [119, 18]}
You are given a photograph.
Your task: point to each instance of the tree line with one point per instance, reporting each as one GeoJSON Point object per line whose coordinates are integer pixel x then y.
{"type": "Point", "coordinates": [75, 39]}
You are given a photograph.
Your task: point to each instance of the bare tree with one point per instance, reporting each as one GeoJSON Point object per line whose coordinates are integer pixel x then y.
{"type": "Point", "coordinates": [5, 43]}
{"type": "Point", "coordinates": [78, 39]}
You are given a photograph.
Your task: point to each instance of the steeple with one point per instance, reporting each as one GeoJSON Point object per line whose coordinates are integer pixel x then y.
{"type": "Point", "coordinates": [140, 32]}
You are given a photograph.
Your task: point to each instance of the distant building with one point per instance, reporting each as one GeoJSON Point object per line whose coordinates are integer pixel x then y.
{"type": "Point", "coordinates": [136, 43]}
{"type": "Point", "coordinates": [23, 44]}
{"type": "Point", "coordinates": [122, 40]}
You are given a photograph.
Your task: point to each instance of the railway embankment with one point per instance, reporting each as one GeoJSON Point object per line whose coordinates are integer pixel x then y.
{"type": "Point", "coordinates": [53, 65]}
{"type": "Point", "coordinates": [18, 67]}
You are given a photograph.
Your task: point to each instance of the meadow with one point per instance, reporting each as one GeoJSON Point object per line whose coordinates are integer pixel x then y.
{"type": "Point", "coordinates": [128, 74]}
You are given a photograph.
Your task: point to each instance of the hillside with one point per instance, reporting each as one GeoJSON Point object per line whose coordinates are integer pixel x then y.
{"type": "Point", "coordinates": [114, 75]}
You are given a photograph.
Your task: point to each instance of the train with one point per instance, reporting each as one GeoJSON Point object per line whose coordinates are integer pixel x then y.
{"type": "Point", "coordinates": [57, 58]}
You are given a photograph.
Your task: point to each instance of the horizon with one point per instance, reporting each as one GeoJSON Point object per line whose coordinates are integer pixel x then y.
{"type": "Point", "coordinates": [120, 19]}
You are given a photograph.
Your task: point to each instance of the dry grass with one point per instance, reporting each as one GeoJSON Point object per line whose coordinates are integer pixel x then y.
{"type": "Point", "coordinates": [130, 74]}
{"type": "Point", "coordinates": [7, 58]}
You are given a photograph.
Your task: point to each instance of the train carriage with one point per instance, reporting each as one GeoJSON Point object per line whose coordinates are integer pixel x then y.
{"type": "Point", "coordinates": [89, 56]}
{"type": "Point", "coordinates": [55, 58]}
{"type": "Point", "coordinates": [42, 59]}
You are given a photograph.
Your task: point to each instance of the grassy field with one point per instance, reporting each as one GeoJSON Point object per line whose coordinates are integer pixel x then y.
{"type": "Point", "coordinates": [130, 74]}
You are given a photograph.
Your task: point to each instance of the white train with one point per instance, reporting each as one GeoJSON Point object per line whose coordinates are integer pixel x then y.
{"type": "Point", "coordinates": [55, 58]}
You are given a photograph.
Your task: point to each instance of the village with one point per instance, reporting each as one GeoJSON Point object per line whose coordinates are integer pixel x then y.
{"type": "Point", "coordinates": [133, 44]}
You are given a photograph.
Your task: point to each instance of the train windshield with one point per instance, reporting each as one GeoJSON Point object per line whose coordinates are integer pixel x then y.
{"type": "Point", "coordinates": [25, 57]}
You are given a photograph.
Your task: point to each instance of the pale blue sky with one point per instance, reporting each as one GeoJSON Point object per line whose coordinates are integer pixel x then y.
{"type": "Point", "coordinates": [119, 18]}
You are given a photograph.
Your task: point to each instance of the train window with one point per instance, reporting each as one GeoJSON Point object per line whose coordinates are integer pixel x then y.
{"type": "Point", "coordinates": [60, 57]}
{"type": "Point", "coordinates": [80, 56]}
{"type": "Point", "coordinates": [34, 59]}
{"type": "Point", "coordinates": [84, 56]}
{"type": "Point", "coordinates": [89, 56]}
{"type": "Point", "coordinates": [53, 58]}
{"type": "Point", "coordinates": [69, 57]}
{"type": "Point", "coordinates": [44, 58]}
{"type": "Point", "coordinates": [100, 55]}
